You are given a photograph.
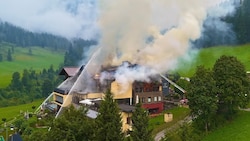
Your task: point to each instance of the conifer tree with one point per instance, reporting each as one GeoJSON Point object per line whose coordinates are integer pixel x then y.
{"type": "Point", "coordinates": [1, 57]}
{"type": "Point", "coordinates": [9, 56]}
{"type": "Point", "coordinates": [140, 120]}
{"type": "Point", "coordinates": [108, 122]}
{"type": "Point", "coordinates": [72, 125]}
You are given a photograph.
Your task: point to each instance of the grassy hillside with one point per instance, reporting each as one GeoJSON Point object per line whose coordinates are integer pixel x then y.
{"type": "Point", "coordinates": [157, 123]}
{"type": "Point", "coordinates": [208, 56]}
{"type": "Point", "coordinates": [237, 130]}
{"type": "Point", "coordinates": [13, 111]}
{"type": "Point", "coordinates": [40, 58]}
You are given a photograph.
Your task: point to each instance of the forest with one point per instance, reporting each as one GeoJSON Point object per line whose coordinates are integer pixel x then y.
{"type": "Point", "coordinates": [230, 30]}
{"type": "Point", "coordinates": [27, 85]}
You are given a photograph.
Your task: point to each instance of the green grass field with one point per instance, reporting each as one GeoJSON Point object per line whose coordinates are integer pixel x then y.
{"type": "Point", "coordinates": [208, 56]}
{"type": "Point", "coordinates": [14, 111]}
{"type": "Point", "coordinates": [157, 123]}
{"type": "Point", "coordinates": [40, 58]}
{"type": "Point", "coordinates": [237, 130]}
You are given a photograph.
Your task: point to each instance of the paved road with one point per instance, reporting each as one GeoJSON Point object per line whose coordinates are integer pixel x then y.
{"type": "Point", "coordinates": [247, 109]}
{"type": "Point", "coordinates": [162, 133]}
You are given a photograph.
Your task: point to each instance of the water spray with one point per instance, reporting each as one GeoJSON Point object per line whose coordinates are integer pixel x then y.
{"type": "Point", "coordinates": [77, 82]}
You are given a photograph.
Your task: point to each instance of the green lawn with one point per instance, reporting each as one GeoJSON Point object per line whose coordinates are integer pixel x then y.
{"type": "Point", "coordinates": [40, 58]}
{"type": "Point", "coordinates": [158, 124]}
{"type": "Point", "coordinates": [237, 130]}
{"type": "Point", "coordinates": [208, 56]}
{"type": "Point", "coordinates": [13, 111]}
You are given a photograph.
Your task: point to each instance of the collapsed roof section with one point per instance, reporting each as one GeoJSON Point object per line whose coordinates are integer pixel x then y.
{"type": "Point", "coordinates": [83, 81]}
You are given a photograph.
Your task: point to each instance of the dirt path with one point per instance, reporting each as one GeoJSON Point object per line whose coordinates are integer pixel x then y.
{"type": "Point", "coordinates": [247, 109]}
{"type": "Point", "coordinates": [162, 133]}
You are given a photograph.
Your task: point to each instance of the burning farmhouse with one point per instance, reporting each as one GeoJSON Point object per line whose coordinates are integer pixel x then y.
{"type": "Point", "coordinates": [81, 87]}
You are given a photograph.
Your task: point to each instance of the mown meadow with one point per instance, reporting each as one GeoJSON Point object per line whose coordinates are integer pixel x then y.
{"type": "Point", "coordinates": [236, 130]}
{"type": "Point", "coordinates": [38, 59]}
{"type": "Point", "coordinates": [157, 123]}
{"type": "Point", "coordinates": [15, 111]}
{"type": "Point", "coordinates": [208, 56]}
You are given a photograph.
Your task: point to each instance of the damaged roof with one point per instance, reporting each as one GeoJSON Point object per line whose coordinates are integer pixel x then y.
{"type": "Point", "coordinates": [70, 71]}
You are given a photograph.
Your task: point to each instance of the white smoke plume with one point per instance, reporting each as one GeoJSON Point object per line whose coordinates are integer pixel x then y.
{"type": "Point", "coordinates": [151, 33]}
{"type": "Point", "coordinates": [126, 25]}
{"type": "Point", "coordinates": [125, 30]}
{"type": "Point", "coordinates": [126, 75]}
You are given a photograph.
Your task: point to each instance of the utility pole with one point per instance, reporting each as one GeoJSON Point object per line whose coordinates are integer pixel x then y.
{"type": "Point", "coordinates": [5, 125]}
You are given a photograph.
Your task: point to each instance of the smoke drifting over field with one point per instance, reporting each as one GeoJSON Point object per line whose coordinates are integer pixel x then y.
{"type": "Point", "coordinates": [126, 26]}
{"type": "Point", "coordinates": [153, 34]}
{"type": "Point", "coordinates": [215, 30]}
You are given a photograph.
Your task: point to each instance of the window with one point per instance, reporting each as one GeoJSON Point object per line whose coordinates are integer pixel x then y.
{"type": "Point", "coordinates": [149, 99]}
{"type": "Point", "coordinates": [155, 98]}
{"type": "Point", "coordinates": [128, 120]}
{"type": "Point", "coordinates": [155, 88]}
{"type": "Point", "coordinates": [159, 98]}
{"type": "Point", "coordinates": [138, 89]}
{"type": "Point", "coordinates": [142, 100]}
{"type": "Point", "coordinates": [59, 99]}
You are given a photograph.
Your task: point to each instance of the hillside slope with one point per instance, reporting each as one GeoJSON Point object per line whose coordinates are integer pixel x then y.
{"type": "Point", "coordinates": [236, 130]}
{"type": "Point", "coordinates": [39, 59]}
{"type": "Point", "coordinates": [208, 56]}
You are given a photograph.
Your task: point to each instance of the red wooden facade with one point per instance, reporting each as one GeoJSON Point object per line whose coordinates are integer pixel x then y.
{"type": "Point", "coordinates": [154, 108]}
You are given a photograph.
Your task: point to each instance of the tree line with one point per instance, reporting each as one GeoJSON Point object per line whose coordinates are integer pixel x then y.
{"type": "Point", "coordinates": [14, 36]}
{"type": "Point", "coordinates": [232, 29]}
{"type": "Point", "coordinates": [214, 97]}
{"type": "Point", "coordinates": [72, 55]}
{"type": "Point", "coordinates": [28, 86]}
{"type": "Point", "coordinates": [21, 37]}
{"type": "Point", "coordinates": [240, 22]}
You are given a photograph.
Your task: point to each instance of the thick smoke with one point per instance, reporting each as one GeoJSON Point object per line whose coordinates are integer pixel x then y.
{"type": "Point", "coordinates": [125, 30]}
{"type": "Point", "coordinates": [153, 34]}
{"type": "Point", "coordinates": [216, 31]}
{"type": "Point", "coordinates": [127, 75]}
